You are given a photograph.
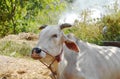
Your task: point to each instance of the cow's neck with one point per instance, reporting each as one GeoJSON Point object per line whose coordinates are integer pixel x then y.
{"type": "Point", "coordinates": [54, 64]}
{"type": "Point", "coordinates": [58, 67]}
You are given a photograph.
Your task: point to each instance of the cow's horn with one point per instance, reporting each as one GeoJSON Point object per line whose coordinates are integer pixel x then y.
{"type": "Point", "coordinates": [42, 27]}
{"type": "Point", "coordinates": [65, 25]}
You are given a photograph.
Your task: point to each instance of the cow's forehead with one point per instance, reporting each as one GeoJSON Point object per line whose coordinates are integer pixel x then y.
{"type": "Point", "coordinates": [50, 30]}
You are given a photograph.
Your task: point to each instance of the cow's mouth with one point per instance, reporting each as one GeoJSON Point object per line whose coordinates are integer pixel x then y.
{"type": "Point", "coordinates": [35, 56]}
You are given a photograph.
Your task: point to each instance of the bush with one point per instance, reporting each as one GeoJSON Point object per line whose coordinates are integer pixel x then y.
{"type": "Point", "coordinates": [87, 32]}
{"type": "Point", "coordinates": [92, 32]}
{"type": "Point", "coordinates": [113, 27]}
{"type": "Point", "coordinates": [25, 15]}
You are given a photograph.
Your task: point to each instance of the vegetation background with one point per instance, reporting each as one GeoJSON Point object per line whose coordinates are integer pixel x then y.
{"type": "Point", "coordinates": [18, 16]}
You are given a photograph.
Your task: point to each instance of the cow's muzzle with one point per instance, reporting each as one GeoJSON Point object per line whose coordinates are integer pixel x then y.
{"type": "Point", "coordinates": [36, 53]}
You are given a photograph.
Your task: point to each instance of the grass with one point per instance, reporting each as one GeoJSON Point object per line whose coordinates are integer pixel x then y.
{"type": "Point", "coordinates": [87, 32]}
{"type": "Point", "coordinates": [12, 48]}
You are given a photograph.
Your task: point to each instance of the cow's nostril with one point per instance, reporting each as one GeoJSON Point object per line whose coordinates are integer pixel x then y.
{"type": "Point", "coordinates": [36, 50]}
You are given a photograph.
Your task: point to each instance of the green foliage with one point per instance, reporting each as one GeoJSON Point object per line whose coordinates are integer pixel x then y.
{"type": "Point", "coordinates": [112, 22]}
{"type": "Point", "coordinates": [87, 32]}
{"type": "Point", "coordinates": [90, 31]}
{"type": "Point", "coordinates": [25, 15]}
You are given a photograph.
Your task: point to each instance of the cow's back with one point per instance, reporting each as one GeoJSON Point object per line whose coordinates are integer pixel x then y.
{"type": "Point", "coordinates": [92, 62]}
{"type": "Point", "coordinates": [100, 62]}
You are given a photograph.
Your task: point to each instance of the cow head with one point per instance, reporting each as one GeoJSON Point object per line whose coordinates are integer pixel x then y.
{"type": "Point", "coordinates": [51, 41]}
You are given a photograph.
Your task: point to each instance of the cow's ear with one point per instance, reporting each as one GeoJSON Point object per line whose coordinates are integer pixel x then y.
{"type": "Point", "coordinates": [72, 45]}
{"type": "Point", "coordinates": [42, 27]}
{"type": "Point", "coordinates": [65, 25]}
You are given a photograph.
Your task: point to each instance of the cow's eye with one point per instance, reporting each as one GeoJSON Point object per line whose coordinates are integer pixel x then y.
{"type": "Point", "coordinates": [54, 36]}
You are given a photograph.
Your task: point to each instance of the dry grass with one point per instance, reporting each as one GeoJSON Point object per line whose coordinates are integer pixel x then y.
{"type": "Point", "coordinates": [18, 45]}
{"type": "Point", "coordinates": [22, 67]}
{"type": "Point", "coordinates": [17, 68]}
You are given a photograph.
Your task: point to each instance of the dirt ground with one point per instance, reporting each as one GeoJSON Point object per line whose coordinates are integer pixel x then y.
{"type": "Point", "coordinates": [22, 68]}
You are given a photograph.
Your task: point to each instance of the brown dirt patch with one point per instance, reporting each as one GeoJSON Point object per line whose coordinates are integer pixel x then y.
{"type": "Point", "coordinates": [19, 68]}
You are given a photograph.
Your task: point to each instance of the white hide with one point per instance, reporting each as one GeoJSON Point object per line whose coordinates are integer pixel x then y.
{"type": "Point", "coordinates": [92, 62]}
{"type": "Point", "coordinates": [49, 43]}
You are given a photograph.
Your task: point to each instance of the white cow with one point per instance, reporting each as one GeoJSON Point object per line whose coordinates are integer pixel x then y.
{"type": "Point", "coordinates": [75, 59]}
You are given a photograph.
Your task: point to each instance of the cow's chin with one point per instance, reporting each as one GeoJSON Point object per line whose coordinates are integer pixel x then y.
{"type": "Point", "coordinates": [35, 56]}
